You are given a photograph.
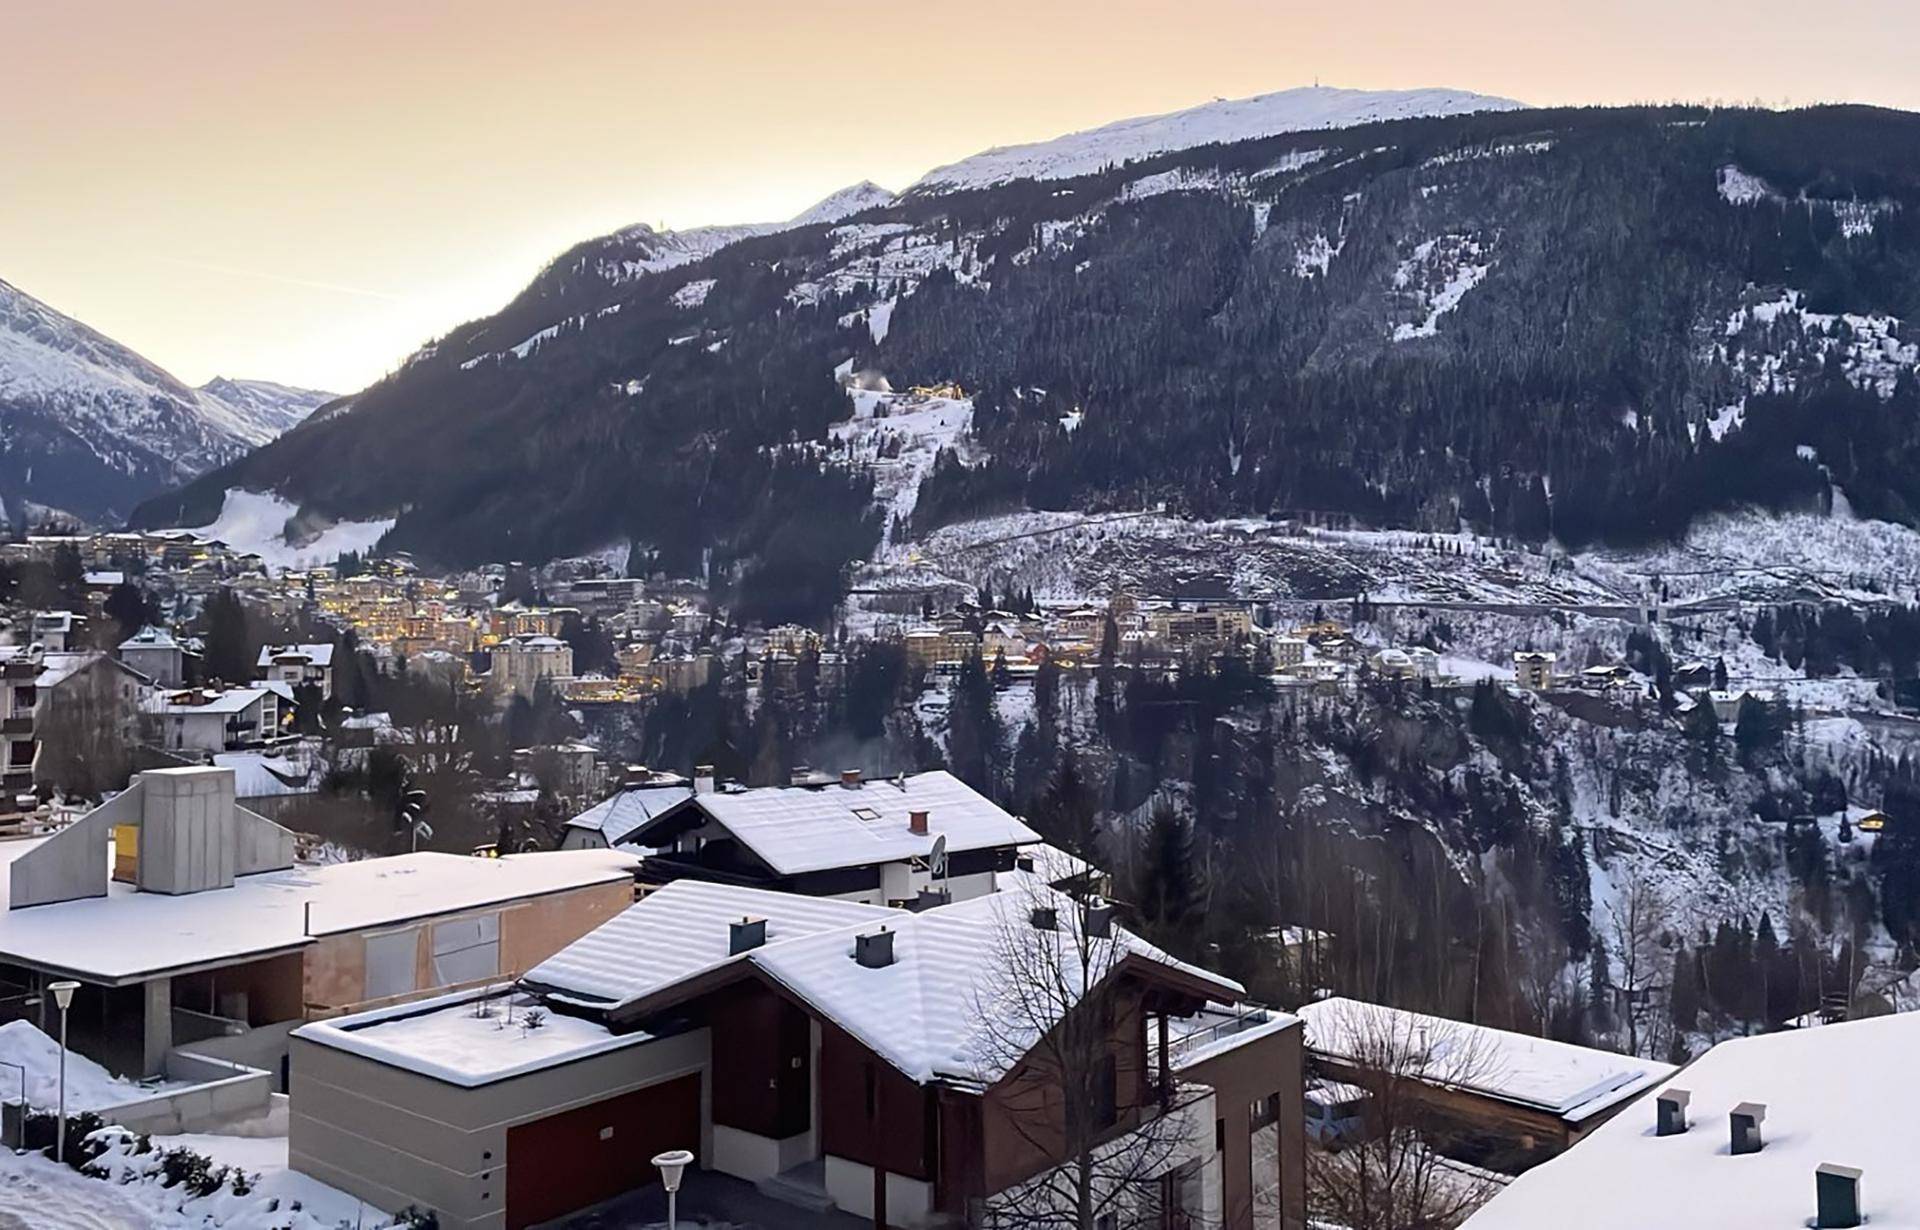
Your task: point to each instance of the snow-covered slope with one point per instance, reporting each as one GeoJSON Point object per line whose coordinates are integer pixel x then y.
{"type": "Point", "coordinates": [88, 426]}
{"type": "Point", "coordinates": [1239, 119]}
{"type": "Point", "coordinates": [641, 249]}
{"type": "Point", "coordinates": [258, 410]}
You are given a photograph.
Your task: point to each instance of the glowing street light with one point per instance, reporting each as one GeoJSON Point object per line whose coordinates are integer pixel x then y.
{"type": "Point", "coordinates": [62, 997]}
{"type": "Point", "coordinates": [672, 1164]}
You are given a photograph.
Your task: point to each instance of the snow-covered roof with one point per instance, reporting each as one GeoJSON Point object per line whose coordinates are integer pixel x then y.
{"type": "Point", "coordinates": [268, 912]}
{"type": "Point", "coordinates": [316, 655]}
{"type": "Point", "coordinates": [800, 829]}
{"type": "Point", "coordinates": [681, 930]}
{"type": "Point", "coordinates": [952, 1005]}
{"type": "Point", "coordinates": [617, 817]}
{"type": "Point", "coordinates": [1571, 1082]}
{"type": "Point", "coordinates": [1840, 1093]}
{"type": "Point", "coordinates": [256, 775]}
{"type": "Point", "coordinates": [233, 700]}
{"type": "Point", "coordinates": [107, 577]}
{"type": "Point", "coordinates": [150, 637]}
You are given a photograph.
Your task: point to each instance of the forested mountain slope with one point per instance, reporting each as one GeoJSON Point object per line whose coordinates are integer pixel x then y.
{"type": "Point", "coordinates": [1585, 324]}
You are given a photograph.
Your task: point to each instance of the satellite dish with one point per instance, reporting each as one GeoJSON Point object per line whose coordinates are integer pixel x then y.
{"type": "Point", "coordinates": [937, 861]}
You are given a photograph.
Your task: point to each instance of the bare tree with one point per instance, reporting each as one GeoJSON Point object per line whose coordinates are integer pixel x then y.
{"type": "Point", "coordinates": [1639, 932]}
{"type": "Point", "coordinates": [1063, 1051]}
{"type": "Point", "coordinates": [1395, 1178]}
{"type": "Point", "coordinates": [86, 729]}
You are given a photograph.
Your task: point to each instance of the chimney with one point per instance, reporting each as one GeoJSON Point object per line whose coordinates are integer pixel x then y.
{"type": "Point", "coordinates": [917, 823]}
{"type": "Point", "coordinates": [1099, 920]}
{"type": "Point", "coordinates": [874, 951]}
{"type": "Point", "coordinates": [1672, 1108]}
{"type": "Point", "coordinates": [1837, 1193]}
{"type": "Point", "coordinates": [746, 935]}
{"type": "Point", "coordinates": [849, 777]}
{"type": "Point", "coordinates": [1745, 1120]}
{"type": "Point", "coordinates": [1045, 918]}
{"type": "Point", "coordinates": [703, 779]}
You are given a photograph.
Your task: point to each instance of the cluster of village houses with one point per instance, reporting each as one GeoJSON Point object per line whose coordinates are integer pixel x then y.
{"type": "Point", "coordinates": [847, 992]}
{"type": "Point", "coordinates": [807, 986]}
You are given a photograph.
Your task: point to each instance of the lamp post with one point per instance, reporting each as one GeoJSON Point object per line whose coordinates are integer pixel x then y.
{"type": "Point", "coordinates": [62, 997]}
{"type": "Point", "coordinates": [672, 1164]}
{"type": "Point", "coordinates": [23, 1099]}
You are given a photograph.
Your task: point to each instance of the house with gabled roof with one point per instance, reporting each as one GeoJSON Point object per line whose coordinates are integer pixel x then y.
{"type": "Point", "coordinates": [861, 838]}
{"type": "Point", "coordinates": [839, 1056]}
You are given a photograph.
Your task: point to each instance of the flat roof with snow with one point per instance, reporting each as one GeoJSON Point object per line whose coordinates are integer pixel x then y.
{"type": "Point", "coordinates": [129, 935]}
{"type": "Point", "coordinates": [1559, 1078]}
{"type": "Point", "coordinates": [1846, 1094]}
{"type": "Point", "coordinates": [449, 1039]}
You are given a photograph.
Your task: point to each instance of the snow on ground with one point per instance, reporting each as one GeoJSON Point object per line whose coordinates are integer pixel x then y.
{"type": "Point", "coordinates": [89, 1086]}
{"type": "Point", "coordinates": [37, 1193]}
{"type": "Point", "coordinates": [900, 435]}
{"type": "Point", "coordinates": [1222, 120]}
{"type": "Point", "coordinates": [1437, 277]}
{"type": "Point", "coordinates": [257, 521]}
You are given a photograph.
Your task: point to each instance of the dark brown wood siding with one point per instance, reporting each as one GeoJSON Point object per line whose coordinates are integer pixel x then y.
{"type": "Point", "coordinates": [762, 1074]}
{"type": "Point", "coordinates": [870, 1113]}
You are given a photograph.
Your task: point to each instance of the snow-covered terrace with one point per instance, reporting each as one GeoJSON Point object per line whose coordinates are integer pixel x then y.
{"type": "Point", "coordinates": [128, 935]}
{"type": "Point", "coordinates": [469, 1038]}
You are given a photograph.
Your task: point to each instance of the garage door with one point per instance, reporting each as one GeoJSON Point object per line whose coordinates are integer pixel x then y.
{"type": "Point", "coordinates": [580, 1157]}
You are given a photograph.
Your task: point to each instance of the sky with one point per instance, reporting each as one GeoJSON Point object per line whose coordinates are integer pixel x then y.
{"type": "Point", "coordinates": [308, 192]}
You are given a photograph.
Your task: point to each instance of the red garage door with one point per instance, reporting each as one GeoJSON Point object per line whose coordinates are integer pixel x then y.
{"type": "Point", "coordinates": [580, 1157]}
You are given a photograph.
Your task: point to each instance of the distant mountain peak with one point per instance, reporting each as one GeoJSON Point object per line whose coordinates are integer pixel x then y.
{"type": "Point", "coordinates": [845, 203]}
{"type": "Point", "coordinates": [1304, 109]}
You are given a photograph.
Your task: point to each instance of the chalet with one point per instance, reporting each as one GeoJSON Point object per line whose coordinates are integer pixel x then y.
{"type": "Point", "coordinates": [1810, 1127]}
{"type": "Point", "coordinates": [1533, 669]}
{"type": "Point", "coordinates": [238, 941]}
{"type": "Point", "coordinates": [837, 1055]}
{"type": "Point", "coordinates": [1485, 1096]}
{"type": "Point", "coordinates": [205, 720]}
{"type": "Point", "coordinates": [848, 837]}
{"type": "Point", "coordinates": [299, 666]}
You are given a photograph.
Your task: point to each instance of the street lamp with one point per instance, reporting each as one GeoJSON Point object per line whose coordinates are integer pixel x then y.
{"type": "Point", "coordinates": [672, 1163]}
{"type": "Point", "coordinates": [62, 997]}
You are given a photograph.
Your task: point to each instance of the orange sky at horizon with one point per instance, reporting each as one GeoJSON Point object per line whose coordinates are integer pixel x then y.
{"type": "Point", "coordinates": [307, 193]}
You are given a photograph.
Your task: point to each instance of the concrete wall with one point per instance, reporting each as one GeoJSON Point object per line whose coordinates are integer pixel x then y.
{"type": "Point", "coordinates": [73, 862]}
{"type": "Point", "coordinates": [186, 830]}
{"type": "Point", "coordinates": [395, 1138]}
{"type": "Point", "coordinates": [1240, 1076]}
{"type": "Point", "coordinates": [224, 1092]}
{"type": "Point", "coordinates": [909, 1201]}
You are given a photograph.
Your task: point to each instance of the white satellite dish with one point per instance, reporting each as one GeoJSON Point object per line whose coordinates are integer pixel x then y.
{"type": "Point", "coordinates": [937, 861]}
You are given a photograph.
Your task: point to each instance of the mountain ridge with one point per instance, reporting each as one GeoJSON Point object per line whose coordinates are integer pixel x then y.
{"type": "Point", "coordinates": [91, 426]}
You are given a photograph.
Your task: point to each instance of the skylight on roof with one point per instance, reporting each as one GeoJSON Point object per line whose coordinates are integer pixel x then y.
{"type": "Point", "coordinates": [866, 813]}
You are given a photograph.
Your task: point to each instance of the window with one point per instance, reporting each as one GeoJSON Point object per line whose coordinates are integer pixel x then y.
{"type": "Point", "coordinates": [391, 961]}
{"type": "Point", "coordinates": [873, 1092]}
{"type": "Point", "coordinates": [1106, 1092]}
{"type": "Point", "coordinates": [1219, 1135]}
{"type": "Point", "coordinates": [466, 950]}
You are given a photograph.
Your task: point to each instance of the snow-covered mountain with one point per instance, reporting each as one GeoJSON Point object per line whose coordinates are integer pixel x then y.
{"type": "Point", "coordinates": [258, 410]}
{"type": "Point", "coordinates": [1223, 120]}
{"type": "Point", "coordinates": [89, 427]}
{"type": "Point", "coordinates": [641, 249]}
